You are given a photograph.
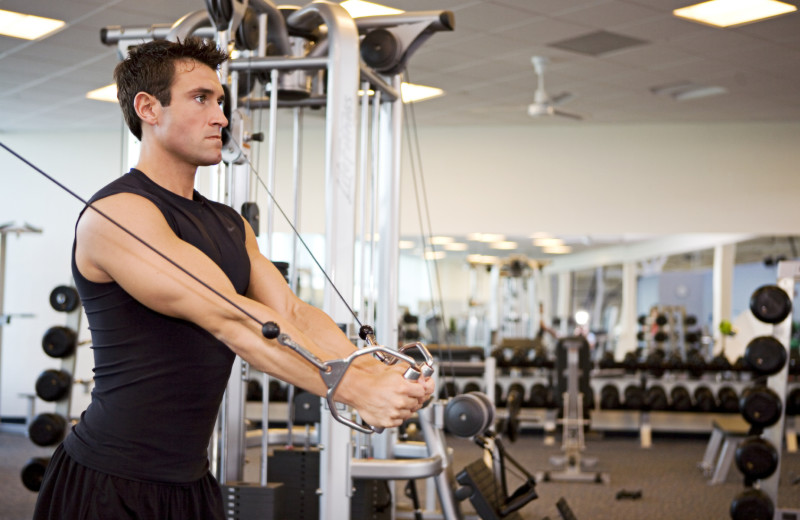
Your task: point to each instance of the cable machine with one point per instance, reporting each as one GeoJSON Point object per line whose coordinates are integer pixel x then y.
{"type": "Point", "coordinates": [313, 56]}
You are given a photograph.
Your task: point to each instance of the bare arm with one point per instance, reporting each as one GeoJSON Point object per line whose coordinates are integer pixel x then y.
{"type": "Point", "coordinates": [105, 253]}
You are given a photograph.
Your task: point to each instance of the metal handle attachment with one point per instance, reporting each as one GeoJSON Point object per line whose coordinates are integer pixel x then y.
{"type": "Point", "coordinates": [333, 371]}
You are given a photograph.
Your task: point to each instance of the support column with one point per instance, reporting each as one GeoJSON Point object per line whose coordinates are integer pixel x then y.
{"type": "Point", "coordinates": [626, 341]}
{"type": "Point", "coordinates": [564, 303]}
{"type": "Point", "coordinates": [722, 277]}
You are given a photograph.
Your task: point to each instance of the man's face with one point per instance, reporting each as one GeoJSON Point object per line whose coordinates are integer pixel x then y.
{"type": "Point", "coordinates": [191, 126]}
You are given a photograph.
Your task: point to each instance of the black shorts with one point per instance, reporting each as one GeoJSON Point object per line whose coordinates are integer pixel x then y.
{"type": "Point", "coordinates": [70, 490]}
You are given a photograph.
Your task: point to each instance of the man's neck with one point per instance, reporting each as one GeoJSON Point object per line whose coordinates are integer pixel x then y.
{"type": "Point", "coordinates": [169, 173]}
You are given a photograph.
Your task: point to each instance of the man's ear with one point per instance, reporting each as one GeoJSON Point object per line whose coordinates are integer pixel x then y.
{"type": "Point", "coordinates": [147, 108]}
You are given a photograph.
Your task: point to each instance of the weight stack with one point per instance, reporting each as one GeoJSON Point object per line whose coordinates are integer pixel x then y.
{"type": "Point", "coordinates": [245, 501]}
{"type": "Point", "coordinates": [298, 471]}
{"type": "Point", "coordinates": [371, 500]}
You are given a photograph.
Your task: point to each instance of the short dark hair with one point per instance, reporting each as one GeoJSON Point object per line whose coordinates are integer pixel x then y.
{"type": "Point", "coordinates": [150, 68]}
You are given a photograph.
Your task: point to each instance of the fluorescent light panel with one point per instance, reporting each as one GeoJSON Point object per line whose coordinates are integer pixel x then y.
{"type": "Point", "coordinates": [486, 237]}
{"type": "Point", "coordinates": [434, 255]}
{"type": "Point", "coordinates": [727, 13]}
{"type": "Point", "coordinates": [406, 244]}
{"type": "Point", "coordinates": [504, 244]}
{"type": "Point", "coordinates": [27, 26]}
{"type": "Point", "coordinates": [455, 246]}
{"type": "Point", "coordinates": [359, 8]}
{"type": "Point", "coordinates": [441, 240]}
{"type": "Point", "coordinates": [411, 93]}
{"type": "Point", "coordinates": [548, 242]}
{"type": "Point", "coordinates": [107, 93]}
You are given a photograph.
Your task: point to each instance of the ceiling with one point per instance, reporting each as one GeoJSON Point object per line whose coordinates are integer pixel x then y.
{"type": "Point", "coordinates": [484, 66]}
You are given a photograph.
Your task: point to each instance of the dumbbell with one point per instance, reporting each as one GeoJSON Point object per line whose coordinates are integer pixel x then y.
{"type": "Point", "coordinates": [680, 399]}
{"type": "Point", "coordinates": [609, 397]}
{"type": "Point", "coordinates": [47, 429]}
{"type": "Point", "coordinates": [752, 504]}
{"type": "Point", "coordinates": [760, 406]}
{"type": "Point", "coordinates": [756, 458]}
{"type": "Point", "coordinates": [770, 304]}
{"type": "Point", "coordinates": [59, 342]}
{"type": "Point", "coordinates": [33, 472]}
{"type": "Point", "coordinates": [695, 364]}
{"type": "Point", "coordinates": [728, 400]}
{"type": "Point", "coordinates": [64, 299]}
{"type": "Point", "coordinates": [449, 389]}
{"type": "Point", "coordinates": [655, 398]}
{"type": "Point", "coordinates": [630, 362]}
{"type": "Point", "coordinates": [655, 362]}
{"type": "Point", "coordinates": [765, 355]}
{"type": "Point", "coordinates": [704, 399]}
{"type": "Point", "coordinates": [634, 397]}
{"type": "Point", "coordinates": [607, 360]}
{"type": "Point", "coordinates": [539, 396]}
{"type": "Point", "coordinates": [471, 386]}
{"type": "Point", "coordinates": [53, 385]}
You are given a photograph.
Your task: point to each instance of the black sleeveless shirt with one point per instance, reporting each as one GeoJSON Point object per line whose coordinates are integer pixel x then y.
{"type": "Point", "coordinates": [158, 380]}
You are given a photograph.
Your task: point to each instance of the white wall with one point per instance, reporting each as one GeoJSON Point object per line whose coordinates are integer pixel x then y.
{"type": "Point", "coordinates": [36, 263]}
{"type": "Point", "coordinates": [573, 178]}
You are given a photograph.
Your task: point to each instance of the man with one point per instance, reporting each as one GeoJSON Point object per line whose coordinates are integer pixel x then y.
{"type": "Point", "coordinates": [163, 343]}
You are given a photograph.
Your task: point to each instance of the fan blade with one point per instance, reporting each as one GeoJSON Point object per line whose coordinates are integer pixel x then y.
{"type": "Point", "coordinates": [568, 115]}
{"type": "Point", "coordinates": [560, 99]}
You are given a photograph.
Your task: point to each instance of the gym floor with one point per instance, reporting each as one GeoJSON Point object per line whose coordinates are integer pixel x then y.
{"type": "Point", "coordinates": [666, 474]}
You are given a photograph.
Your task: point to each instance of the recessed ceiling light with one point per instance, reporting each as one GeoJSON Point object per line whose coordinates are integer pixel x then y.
{"type": "Point", "coordinates": [434, 255]}
{"type": "Point", "coordinates": [455, 246]}
{"type": "Point", "coordinates": [482, 259]}
{"type": "Point", "coordinates": [27, 26]}
{"type": "Point", "coordinates": [107, 93]}
{"type": "Point", "coordinates": [406, 244]}
{"type": "Point", "coordinates": [358, 8]}
{"type": "Point", "coordinates": [486, 237]}
{"type": "Point", "coordinates": [504, 244]}
{"type": "Point", "coordinates": [440, 240]}
{"type": "Point", "coordinates": [726, 13]}
{"type": "Point", "coordinates": [557, 250]}
{"type": "Point", "coordinates": [547, 242]}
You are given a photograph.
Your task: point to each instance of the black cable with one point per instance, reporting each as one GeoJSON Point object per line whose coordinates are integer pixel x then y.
{"type": "Point", "coordinates": [411, 124]}
{"type": "Point", "coordinates": [133, 235]}
{"type": "Point", "coordinates": [291, 225]}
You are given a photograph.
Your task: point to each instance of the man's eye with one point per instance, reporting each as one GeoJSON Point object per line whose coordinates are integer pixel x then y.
{"type": "Point", "coordinates": [201, 98]}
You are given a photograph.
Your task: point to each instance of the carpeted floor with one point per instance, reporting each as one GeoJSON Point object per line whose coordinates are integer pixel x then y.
{"type": "Point", "coordinates": [672, 487]}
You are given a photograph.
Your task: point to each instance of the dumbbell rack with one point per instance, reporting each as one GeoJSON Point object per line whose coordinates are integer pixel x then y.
{"type": "Point", "coordinates": [49, 429]}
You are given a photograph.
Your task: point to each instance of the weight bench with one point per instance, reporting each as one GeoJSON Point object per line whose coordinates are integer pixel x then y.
{"type": "Point", "coordinates": [726, 432]}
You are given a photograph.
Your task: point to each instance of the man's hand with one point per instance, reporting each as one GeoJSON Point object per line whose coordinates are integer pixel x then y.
{"type": "Point", "coordinates": [382, 396]}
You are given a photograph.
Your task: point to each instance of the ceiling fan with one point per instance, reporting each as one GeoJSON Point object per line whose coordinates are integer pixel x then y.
{"type": "Point", "coordinates": [543, 104]}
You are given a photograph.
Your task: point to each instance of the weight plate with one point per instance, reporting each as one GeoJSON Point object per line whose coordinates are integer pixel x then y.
{"type": "Point", "coordinates": [752, 504]}
{"type": "Point", "coordinates": [770, 304]}
{"type": "Point", "coordinates": [47, 429]}
{"type": "Point", "coordinates": [64, 298]}
{"type": "Point", "coordinates": [765, 355]}
{"type": "Point", "coordinates": [59, 342]}
{"type": "Point", "coordinates": [760, 406]}
{"type": "Point", "coordinates": [756, 458]}
{"type": "Point", "coordinates": [53, 385]}
{"type": "Point", "coordinates": [466, 415]}
{"type": "Point", "coordinates": [33, 473]}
